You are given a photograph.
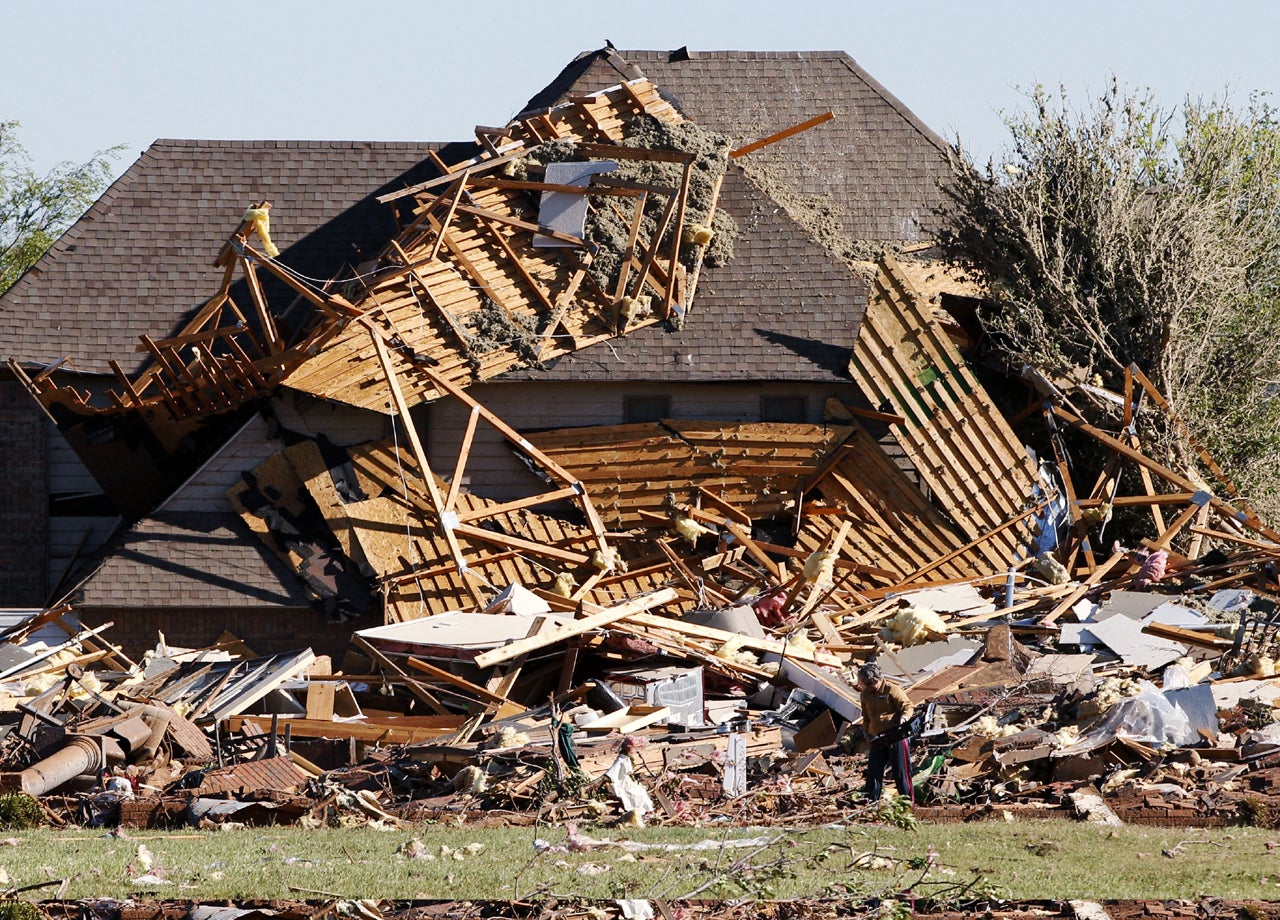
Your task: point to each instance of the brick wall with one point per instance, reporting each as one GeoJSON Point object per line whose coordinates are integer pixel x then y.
{"type": "Point", "coordinates": [24, 499]}
{"type": "Point", "coordinates": [267, 630]}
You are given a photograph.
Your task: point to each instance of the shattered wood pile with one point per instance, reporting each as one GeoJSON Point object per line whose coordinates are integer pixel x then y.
{"type": "Point", "coordinates": [672, 617]}
{"type": "Point", "coordinates": [709, 659]}
{"type": "Point", "coordinates": [473, 286]}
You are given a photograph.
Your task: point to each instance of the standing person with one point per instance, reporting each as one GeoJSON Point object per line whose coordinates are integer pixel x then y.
{"type": "Point", "coordinates": [885, 714]}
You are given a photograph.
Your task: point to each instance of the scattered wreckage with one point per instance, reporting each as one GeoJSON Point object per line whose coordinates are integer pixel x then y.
{"type": "Point", "coordinates": [665, 633]}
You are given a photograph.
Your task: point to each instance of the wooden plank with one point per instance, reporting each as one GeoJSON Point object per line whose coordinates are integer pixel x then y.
{"type": "Point", "coordinates": [886, 418]}
{"type": "Point", "coordinates": [475, 165]}
{"type": "Point", "coordinates": [413, 686]}
{"type": "Point", "coordinates": [440, 674]}
{"type": "Point", "coordinates": [628, 254]}
{"type": "Point", "coordinates": [619, 152]}
{"type": "Point", "coordinates": [774, 568]}
{"type": "Point", "coordinates": [519, 543]}
{"type": "Point", "coordinates": [1082, 589]}
{"type": "Point", "coordinates": [677, 238]}
{"type": "Point", "coordinates": [595, 188]}
{"type": "Point", "coordinates": [424, 468]}
{"type": "Point", "coordinates": [502, 683]}
{"type": "Point", "coordinates": [259, 299]}
{"type": "Point", "coordinates": [487, 214]}
{"type": "Point", "coordinates": [464, 452]}
{"type": "Point", "coordinates": [320, 700]}
{"type": "Point", "coordinates": [576, 628]}
{"type": "Point", "coordinates": [723, 636]}
{"type": "Point", "coordinates": [382, 731]}
{"type": "Point", "coordinates": [443, 228]}
{"type": "Point", "coordinates": [1188, 636]}
{"type": "Point", "coordinates": [633, 718]}
{"type": "Point", "coordinates": [1244, 517]}
{"type": "Point", "coordinates": [783, 134]}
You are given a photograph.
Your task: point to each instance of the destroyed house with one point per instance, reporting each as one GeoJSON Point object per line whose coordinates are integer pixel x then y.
{"type": "Point", "coordinates": [188, 421]}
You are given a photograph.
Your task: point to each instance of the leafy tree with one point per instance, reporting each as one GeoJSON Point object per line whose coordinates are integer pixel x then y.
{"type": "Point", "coordinates": [1127, 232]}
{"type": "Point", "coordinates": [35, 210]}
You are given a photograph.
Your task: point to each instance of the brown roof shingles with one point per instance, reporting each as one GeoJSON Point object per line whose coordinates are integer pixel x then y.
{"type": "Point", "coordinates": [165, 561]}
{"type": "Point", "coordinates": [875, 162]}
{"type": "Point", "coordinates": [141, 259]}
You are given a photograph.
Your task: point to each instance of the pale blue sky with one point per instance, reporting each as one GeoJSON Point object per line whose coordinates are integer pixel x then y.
{"type": "Point", "coordinates": [83, 76]}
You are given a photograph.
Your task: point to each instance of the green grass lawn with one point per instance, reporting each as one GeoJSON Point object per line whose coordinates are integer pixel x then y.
{"type": "Point", "coordinates": [1022, 860]}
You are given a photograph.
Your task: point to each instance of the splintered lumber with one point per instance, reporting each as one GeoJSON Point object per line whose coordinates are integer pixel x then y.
{"type": "Point", "coordinates": [412, 730]}
{"type": "Point", "coordinates": [750, 466]}
{"type": "Point", "coordinates": [1082, 589]}
{"type": "Point", "coordinates": [1188, 636]}
{"type": "Point", "coordinates": [413, 686]}
{"type": "Point", "coordinates": [897, 532]}
{"type": "Point", "coordinates": [625, 721]}
{"type": "Point", "coordinates": [956, 439]}
{"type": "Point", "coordinates": [448, 677]}
{"type": "Point", "coordinates": [783, 134]}
{"type": "Point", "coordinates": [1242, 516]}
{"type": "Point", "coordinates": [576, 628]}
{"type": "Point", "coordinates": [469, 252]}
{"type": "Point", "coordinates": [722, 637]}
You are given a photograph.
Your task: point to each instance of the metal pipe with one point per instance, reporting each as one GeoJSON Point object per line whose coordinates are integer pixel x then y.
{"type": "Point", "coordinates": [81, 755]}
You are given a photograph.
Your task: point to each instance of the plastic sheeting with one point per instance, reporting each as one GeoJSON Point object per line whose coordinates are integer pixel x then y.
{"type": "Point", "coordinates": [1149, 718]}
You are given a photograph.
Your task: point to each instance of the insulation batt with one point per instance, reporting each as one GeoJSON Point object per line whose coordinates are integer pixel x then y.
{"type": "Point", "coordinates": [690, 530]}
{"type": "Point", "coordinates": [606, 560]}
{"type": "Point", "coordinates": [913, 625]}
{"type": "Point", "coordinates": [563, 585]}
{"type": "Point", "coordinates": [988, 727]}
{"type": "Point", "coordinates": [801, 643]}
{"type": "Point", "coordinates": [1053, 571]}
{"type": "Point", "coordinates": [260, 220]}
{"type": "Point", "coordinates": [1092, 517]}
{"type": "Point", "coordinates": [819, 568]}
{"type": "Point", "coordinates": [697, 234]}
{"type": "Point", "coordinates": [1153, 569]}
{"type": "Point", "coordinates": [636, 308]}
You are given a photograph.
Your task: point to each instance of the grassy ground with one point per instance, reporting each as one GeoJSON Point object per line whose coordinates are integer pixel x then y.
{"type": "Point", "coordinates": [1031, 859]}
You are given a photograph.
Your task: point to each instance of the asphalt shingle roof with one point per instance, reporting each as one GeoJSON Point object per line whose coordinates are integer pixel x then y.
{"type": "Point", "coordinates": [191, 559]}
{"type": "Point", "coordinates": [875, 162]}
{"type": "Point", "coordinates": [141, 259]}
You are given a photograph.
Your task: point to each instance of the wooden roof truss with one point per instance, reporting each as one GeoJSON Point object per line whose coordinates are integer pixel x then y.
{"type": "Point", "coordinates": [462, 287]}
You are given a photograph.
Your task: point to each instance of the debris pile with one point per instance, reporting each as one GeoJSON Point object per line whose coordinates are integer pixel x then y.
{"type": "Point", "coordinates": [664, 629]}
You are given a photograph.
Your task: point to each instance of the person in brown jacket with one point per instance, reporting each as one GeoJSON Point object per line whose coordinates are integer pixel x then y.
{"type": "Point", "coordinates": [886, 712]}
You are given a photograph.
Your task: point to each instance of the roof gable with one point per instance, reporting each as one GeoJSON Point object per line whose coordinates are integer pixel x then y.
{"type": "Point", "coordinates": [875, 162]}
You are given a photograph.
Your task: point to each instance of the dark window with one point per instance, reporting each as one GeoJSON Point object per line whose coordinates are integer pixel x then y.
{"type": "Point", "coordinates": [645, 408]}
{"type": "Point", "coordinates": [783, 408]}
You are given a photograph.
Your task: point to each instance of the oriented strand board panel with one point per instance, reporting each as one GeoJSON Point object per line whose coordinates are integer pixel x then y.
{"type": "Point", "coordinates": [756, 466]}
{"type": "Point", "coordinates": [964, 450]}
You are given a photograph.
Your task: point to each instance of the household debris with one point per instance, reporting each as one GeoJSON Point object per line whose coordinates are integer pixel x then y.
{"type": "Point", "coordinates": [668, 621]}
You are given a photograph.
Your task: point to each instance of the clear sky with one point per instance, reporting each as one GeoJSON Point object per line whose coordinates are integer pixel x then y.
{"type": "Point", "coordinates": [83, 76]}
